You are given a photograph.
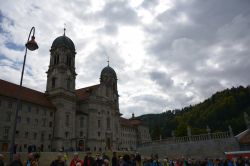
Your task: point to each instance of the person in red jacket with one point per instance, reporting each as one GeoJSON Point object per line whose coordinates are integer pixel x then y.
{"type": "Point", "coordinates": [75, 161]}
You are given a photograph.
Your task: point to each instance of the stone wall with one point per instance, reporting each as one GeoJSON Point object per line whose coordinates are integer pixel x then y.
{"type": "Point", "coordinates": [198, 147]}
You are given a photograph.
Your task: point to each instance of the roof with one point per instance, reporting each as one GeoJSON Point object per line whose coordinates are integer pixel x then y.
{"type": "Point", "coordinates": [244, 137]}
{"type": "Point", "coordinates": [29, 95]}
{"type": "Point", "coordinates": [109, 71]}
{"type": "Point", "coordinates": [130, 122]}
{"type": "Point", "coordinates": [84, 93]}
{"type": "Point", "coordinates": [136, 122]}
{"type": "Point", "coordinates": [63, 41]}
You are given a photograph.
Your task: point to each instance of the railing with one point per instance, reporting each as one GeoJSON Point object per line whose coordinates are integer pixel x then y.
{"type": "Point", "coordinates": [193, 138]}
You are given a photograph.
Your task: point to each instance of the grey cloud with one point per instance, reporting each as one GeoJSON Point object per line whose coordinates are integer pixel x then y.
{"type": "Point", "coordinates": [162, 79]}
{"type": "Point", "coordinates": [148, 4]}
{"type": "Point", "coordinates": [119, 12]}
{"type": "Point", "coordinates": [94, 62]}
{"type": "Point", "coordinates": [186, 48]}
{"type": "Point", "coordinates": [109, 29]}
{"type": "Point", "coordinates": [150, 99]}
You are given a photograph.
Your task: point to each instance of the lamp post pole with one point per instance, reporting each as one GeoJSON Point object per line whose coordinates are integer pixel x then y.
{"type": "Point", "coordinates": [31, 45]}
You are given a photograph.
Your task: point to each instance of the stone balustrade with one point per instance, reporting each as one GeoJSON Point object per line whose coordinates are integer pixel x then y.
{"type": "Point", "coordinates": [193, 138]}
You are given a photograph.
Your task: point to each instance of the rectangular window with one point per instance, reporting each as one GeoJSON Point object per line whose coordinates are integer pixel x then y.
{"type": "Point", "coordinates": [19, 119]}
{"type": "Point", "coordinates": [26, 135]}
{"type": "Point", "coordinates": [50, 124]}
{"type": "Point", "coordinates": [81, 134]}
{"type": "Point", "coordinates": [29, 109]}
{"type": "Point", "coordinates": [35, 136]}
{"type": "Point", "coordinates": [49, 136]}
{"type": "Point", "coordinates": [81, 122]}
{"type": "Point", "coordinates": [66, 134]}
{"type": "Point", "coordinates": [43, 122]}
{"type": "Point", "coordinates": [37, 110]}
{"type": "Point", "coordinates": [42, 136]}
{"type": "Point", "coordinates": [17, 133]}
{"type": "Point", "coordinates": [51, 114]}
{"type": "Point", "coordinates": [10, 104]}
{"type": "Point", "coordinates": [6, 132]}
{"type": "Point", "coordinates": [108, 123]}
{"type": "Point", "coordinates": [28, 120]}
{"type": "Point", "coordinates": [36, 122]}
{"type": "Point", "coordinates": [8, 116]}
{"type": "Point", "coordinates": [0, 103]}
{"type": "Point", "coordinates": [67, 120]}
{"type": "Point", "coordinates": [20, 107]}
{"type": "Point", "coordinates": [99, 123]}
{"type": "Point", "coordinates": [99, 134]}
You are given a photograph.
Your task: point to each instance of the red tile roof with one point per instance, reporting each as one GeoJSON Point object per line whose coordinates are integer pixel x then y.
{"type": "Point", "coordinates": [130, 122]}
{"type": "Point", "coordinates": [10, 90]}
{"type": "Point", "coordinates": [84, 93]}
{"type": "Point", "coordinates": [244, 137]}
{"type": "Point", "coordinates": [136, 122]}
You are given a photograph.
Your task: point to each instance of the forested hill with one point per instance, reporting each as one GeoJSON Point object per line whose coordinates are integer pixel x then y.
{"type": "Point", "coordinates": [218, 112]}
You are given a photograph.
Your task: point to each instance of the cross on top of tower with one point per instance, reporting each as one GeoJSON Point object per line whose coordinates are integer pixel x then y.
{"type": "Point", "coordinates": [64, 29]}
{"type": "Point", "coordinates": [108, 61]}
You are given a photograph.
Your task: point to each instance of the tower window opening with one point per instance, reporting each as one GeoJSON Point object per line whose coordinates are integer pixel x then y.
{"type": "Point", "coordinates": [68, 62]}
{"type": "Point", "coordinates": [68, 83]}
{"type": "Point", "coordinates": [107, 92]}
{"type": "Point", "coordinates": [53, 82]}
{"type": "Point", "coordinates": [56, 59]}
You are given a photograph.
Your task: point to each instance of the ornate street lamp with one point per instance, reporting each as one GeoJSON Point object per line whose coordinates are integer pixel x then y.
{"type": "Point", "coordinates": [31, 45]}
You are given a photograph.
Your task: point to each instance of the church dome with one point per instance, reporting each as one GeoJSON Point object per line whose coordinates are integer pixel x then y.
{"type": "Point", "coordinates": [63, 41]}
{"type": "Point", "coordinates": [108, 71]}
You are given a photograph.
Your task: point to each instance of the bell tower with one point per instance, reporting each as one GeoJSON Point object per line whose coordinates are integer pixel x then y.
{"type": "Point", "coordinates": [61, 74]}
{"type": "Point", "coordinates": [108, 84]}
{"type": "Point", "coordinates": [60, 89]}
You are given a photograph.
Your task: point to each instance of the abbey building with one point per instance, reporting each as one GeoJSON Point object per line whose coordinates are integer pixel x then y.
{"type": "Point", "coordinates": [64, 117]}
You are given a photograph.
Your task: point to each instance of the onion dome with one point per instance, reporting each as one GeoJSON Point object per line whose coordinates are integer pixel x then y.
{"type": "Point", "coordinates": [63, 41]}
{"type": "Point", "coordinates": [108, 72]}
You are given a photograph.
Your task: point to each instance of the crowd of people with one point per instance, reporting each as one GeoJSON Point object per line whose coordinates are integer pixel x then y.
{"type": "Point", "coordinates": [32, 160]}
{"type": "Point", "coordinates": [99, 159]}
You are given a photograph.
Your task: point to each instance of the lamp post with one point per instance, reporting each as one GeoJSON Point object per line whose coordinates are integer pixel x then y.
{"type": "Point", "coordinates": [31, 45]}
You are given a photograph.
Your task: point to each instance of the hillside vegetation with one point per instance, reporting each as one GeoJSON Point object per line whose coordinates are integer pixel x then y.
{"type": "Point", "coordinates": [218, 112]}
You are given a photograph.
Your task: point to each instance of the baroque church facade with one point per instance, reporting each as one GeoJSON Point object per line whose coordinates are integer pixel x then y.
{"type": "Point", "coordinates": [64, 117]}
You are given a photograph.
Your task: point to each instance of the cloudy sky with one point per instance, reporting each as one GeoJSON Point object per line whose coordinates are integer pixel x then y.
{"type": "Point", "coordinates": [167, 53]}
